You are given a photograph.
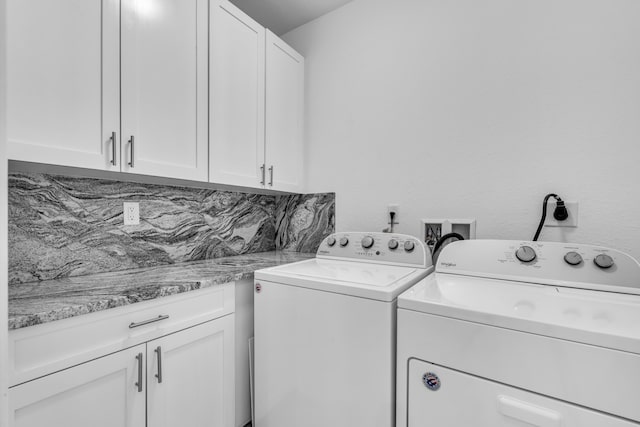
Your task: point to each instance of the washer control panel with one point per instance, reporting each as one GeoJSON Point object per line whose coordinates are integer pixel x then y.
{"type": "Point", "coordinates": [389, 248]}
{"type": "Point", "coordinates": [527, 254]}
{"type": "Point", "coordinates": [562, 264]}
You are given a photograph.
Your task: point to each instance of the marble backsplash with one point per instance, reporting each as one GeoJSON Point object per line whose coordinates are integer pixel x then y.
{"type": "Point", "coordinates": [67, 226]}
{"type": "Point", "coordinates": [304, 220]}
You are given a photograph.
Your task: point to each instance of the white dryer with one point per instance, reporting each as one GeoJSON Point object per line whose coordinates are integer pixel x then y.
{"type": "Point", "coordinates": [510, 333]}
{"type": "Point", "coordinates": [325, 332]}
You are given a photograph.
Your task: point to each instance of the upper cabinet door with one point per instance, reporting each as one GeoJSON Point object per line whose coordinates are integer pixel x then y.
{"type": "Point", "coordinates": [63, 82]}
{"type": "Point", "coordinates": [236, 115]}
{"type": "Point", "coordinates": [164, 88]}
{"type": "Point", "coordinates": [284, 115]}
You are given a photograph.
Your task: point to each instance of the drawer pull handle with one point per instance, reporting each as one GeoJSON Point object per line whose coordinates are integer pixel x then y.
{"type": "Point", "coordinates": [159, 354]}
{"type": "Point", "coordinates": [139, 383]}
{"type": "Point", "coordinates": [146, 322]}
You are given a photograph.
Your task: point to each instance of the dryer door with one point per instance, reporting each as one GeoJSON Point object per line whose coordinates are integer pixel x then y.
{"type": "Point", "coordinates": [444, 397]}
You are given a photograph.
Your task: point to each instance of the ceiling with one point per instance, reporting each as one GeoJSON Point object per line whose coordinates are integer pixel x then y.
{"type": "Point", "coordinates": [282, 16]}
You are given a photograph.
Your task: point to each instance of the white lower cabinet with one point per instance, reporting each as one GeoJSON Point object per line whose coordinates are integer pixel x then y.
{"type": "Point", "coordinates": [163, 363]}
{"type": "Point", "coordinates": [100, 393]}
{"type": "Point", "coordinates": [190, 377]}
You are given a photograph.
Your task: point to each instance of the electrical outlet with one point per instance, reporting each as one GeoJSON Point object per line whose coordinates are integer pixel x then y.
{"type": "Point", "coordinates": [395, 209]}
{"type": "Point", "coordinates": [571, 221]}
{"type": "Point", "coordinates": [131, 213]}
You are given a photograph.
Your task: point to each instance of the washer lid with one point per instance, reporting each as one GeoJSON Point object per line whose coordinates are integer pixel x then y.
{"type": "Point", "coordinates": [599, 318]}
{"type": "Point", "coordinates": [375, 281]}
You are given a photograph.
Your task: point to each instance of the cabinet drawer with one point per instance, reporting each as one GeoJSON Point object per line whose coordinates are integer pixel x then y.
{"type": "Point", "coordinates": [42, 349]}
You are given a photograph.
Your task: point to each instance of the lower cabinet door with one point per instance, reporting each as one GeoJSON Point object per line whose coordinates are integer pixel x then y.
{"type": "Point", "coordinates": [190, 377]}
{"type": "Point", "coordinates": [99, 393]}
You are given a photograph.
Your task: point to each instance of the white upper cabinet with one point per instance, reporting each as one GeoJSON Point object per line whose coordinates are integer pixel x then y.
{"type": "Point", "coordinates": [63, 102]}
{"type": "Point", "coordinates": [164, 88]}
{"type": "Point", "coordinates": [284, 115]}
{"type": "Point", "coordinates": [187, 89]}
{"type": "Point", "coordinates": [66, 78]}
{"type": "Point", "coordinates": [256, 104]}
{"type": "Point", "coordinates": [236, 106]}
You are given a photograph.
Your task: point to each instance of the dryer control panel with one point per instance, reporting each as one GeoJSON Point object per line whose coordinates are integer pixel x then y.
{"type": "Point", "coordinates": [384, 248]}
{"type": "Point", "coordinates": [553, 263]}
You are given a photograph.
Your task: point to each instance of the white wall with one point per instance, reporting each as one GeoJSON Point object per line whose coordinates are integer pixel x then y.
{"type": "Point", "coordinates": [3, 226]}
{"type": "Point", "coordinates": [477, 108]}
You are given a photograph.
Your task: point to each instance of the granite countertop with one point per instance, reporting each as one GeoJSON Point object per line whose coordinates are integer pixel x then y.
{"type": "Point", "coordinates": [41, 302]}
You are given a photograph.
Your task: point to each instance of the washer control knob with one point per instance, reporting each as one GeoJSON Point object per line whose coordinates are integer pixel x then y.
{"type": "Point", "coordinates": [603, 261]}
{"type": "Point", "coordinates": [331, 241]}
{"type": "Point", "coordinates": [344, 241]}
{"type": "Point", "coordinates": [572, 258]}
{"type": "Point", "coordinates": [409, 246]}
{"type": "Point", "coordinates": [367, 242]}
{"type": "Point", "coordinates": [393, 244]}
{"type": "Point", "coordinates": [526, 254]}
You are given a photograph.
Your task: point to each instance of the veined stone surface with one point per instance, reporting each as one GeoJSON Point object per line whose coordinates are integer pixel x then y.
{"type": "Point", "coordinates": [41, 302]}
{"type": "Point", "coordinates": [68, 226]}
{"type": "Point", "coordinates": [304, 220]}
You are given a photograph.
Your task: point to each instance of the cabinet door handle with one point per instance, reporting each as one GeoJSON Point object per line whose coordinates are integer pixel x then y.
{"type": "Point", "coordinates": [113, 149]}
{"type": "Point", "coordinates": [131, 142]}
{"type": "Point", "coordinates": [271, 176]}
{"type": "Point", "coordinates": [158, 351]}
{"type": "Point", "coordinates": [262, 172]}
{"type": "Point", "coordinates": [139, 383]}
{"type": "Point", "coordinates": [146, 322]}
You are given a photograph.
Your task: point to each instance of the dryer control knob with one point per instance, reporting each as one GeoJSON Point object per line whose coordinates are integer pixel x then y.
{"type": "Point", "coordinates": [367, 242]}
{"type": "Point", "coordinates": [526, 254]}
{"type": "Point", "coordinates": [409, 246]}
{"type": "Point", "coordinates": [603, 261]}
{"type": "Point", "coordinates": [573, 258]}
{"type": "Point", "coordinates": [393, 244]}
{"type": "Point", "coordinates": [344, 242]}
{"type": "Point", "coordinates": [331, 241]}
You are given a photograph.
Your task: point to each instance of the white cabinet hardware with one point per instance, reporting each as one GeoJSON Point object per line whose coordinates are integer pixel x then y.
{"type": "Point", "coordinates": [146, 322]}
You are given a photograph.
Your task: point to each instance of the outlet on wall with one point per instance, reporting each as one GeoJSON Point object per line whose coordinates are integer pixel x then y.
{"type": "Point", "coordinates": [571, 221]}
{"type": "Point", "coordinates": [131, 213]}
{"type": "Point", "coordinates": [393, 208]}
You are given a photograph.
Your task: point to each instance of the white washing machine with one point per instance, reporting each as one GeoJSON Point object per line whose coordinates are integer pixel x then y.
{"type": "Point", "coordinates": [509, 333]}
{"type": "Point", "coordinates": [325, 332]}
